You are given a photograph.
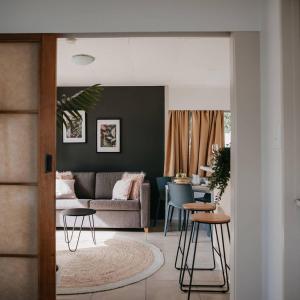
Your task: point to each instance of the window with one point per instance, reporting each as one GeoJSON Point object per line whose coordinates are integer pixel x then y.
{"type": "Point", "coordinates": [227, 128]}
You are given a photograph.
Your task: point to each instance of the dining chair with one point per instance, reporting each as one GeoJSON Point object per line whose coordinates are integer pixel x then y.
{"type": "Point", "coordinates": [179, 194]}
{"type": "Point", "coordinates": [206, 198]}
{"type": "Point", "coordinates": [161, 183]}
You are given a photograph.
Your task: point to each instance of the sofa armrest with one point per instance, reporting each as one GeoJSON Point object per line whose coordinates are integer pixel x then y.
{"type": "Point", "coordinates": [145, 204]}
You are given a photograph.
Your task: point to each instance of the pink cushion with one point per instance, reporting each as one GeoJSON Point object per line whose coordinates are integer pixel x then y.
{"type": "Point", "coordinates": [138, 179]}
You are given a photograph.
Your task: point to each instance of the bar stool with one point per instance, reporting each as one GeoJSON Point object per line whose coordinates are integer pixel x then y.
{"type": "Point", "coordinates": [213, 220]}
{"type": "Point", "coordinates": [190, 208]}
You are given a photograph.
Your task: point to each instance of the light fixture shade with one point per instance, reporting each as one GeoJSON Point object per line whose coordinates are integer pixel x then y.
{"type": "Point", "coordinates": [82, 59]}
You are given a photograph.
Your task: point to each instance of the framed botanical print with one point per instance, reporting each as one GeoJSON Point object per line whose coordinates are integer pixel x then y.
{"type": "Point", "coordinates": [108, 135]}
{"type": "Point", "coordinates": [75, 131]}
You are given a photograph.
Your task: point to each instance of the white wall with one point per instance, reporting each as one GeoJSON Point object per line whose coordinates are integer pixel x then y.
{"type": "Point", "coordinates": [128, 16]}
{"type": "Point", "coordinates": [198, 98]}
{"type": "Point", "coordinates": [246, 167]}
{"type": "Point", "coordinates": [195, 98]}
{"type": "Point", "coordinates": [272, 172]}
{"type": "Point", "coordinates": [291, 145]}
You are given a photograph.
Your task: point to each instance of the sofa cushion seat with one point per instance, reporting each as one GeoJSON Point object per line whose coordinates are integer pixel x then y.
{"type": "Point", "coordinates": [105, 204]}
{"type": "Point", "coordinates": [72, 203]}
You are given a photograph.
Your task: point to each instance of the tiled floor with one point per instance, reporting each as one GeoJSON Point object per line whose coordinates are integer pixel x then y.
{"type": "Point", "coordinates": [163, 285]}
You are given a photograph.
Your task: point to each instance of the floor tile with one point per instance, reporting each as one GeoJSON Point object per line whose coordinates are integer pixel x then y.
{"type": "Point", "coordinates": [212, 296]}
{"type": "Point", "coordinates": [163, 285]}
{"type": "Point", "coordinates": [130, 292]}
{"type": "Point", "coordinates": [166, 290]}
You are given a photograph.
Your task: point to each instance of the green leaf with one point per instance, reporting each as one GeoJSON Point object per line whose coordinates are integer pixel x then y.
{"type": "Point", "coordinates": [221, 171]}
{"type": "Point", "coordinates": [83, 100]}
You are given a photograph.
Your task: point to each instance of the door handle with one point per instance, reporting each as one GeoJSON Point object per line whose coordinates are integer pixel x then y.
{"type": "Point", "coordinates": [48, 163]}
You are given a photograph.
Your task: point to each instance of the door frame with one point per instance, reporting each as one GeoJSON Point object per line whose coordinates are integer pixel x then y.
{"type": "Point", "coordinates": [46, 145]}
{"type": "Point", "coordinates": [240, 175]}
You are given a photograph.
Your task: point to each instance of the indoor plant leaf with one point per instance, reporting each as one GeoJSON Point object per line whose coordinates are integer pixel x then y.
{"type": "Point", "coordinates": [82, 100]}
{"type": "Point", "coordinates": [221, 171]}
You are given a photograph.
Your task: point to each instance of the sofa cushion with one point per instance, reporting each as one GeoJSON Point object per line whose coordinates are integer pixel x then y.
{"type": "Point", "coordinates": [71, 203]}
{"type": "Point", "coordinates": [84, 184]}
{"type": "Point", "coordinates": [105, 182]}
{"type": "Point", "coordinates": [105, 204]}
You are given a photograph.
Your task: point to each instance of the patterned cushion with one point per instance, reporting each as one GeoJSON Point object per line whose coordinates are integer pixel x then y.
{"type": "Point", "coordinates": [138, 179]}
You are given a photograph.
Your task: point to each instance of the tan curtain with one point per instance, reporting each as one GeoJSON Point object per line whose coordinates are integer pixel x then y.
{"type": "Point", "coordinates": [207, 129]}
{"type": "Point", "coordinates": [177, 151]}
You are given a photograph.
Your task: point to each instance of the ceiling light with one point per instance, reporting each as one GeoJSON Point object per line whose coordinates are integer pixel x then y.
{"type": "Point", "coordinates": [82, 59]}
{"type": "Point", "coordinates": [71, 40]}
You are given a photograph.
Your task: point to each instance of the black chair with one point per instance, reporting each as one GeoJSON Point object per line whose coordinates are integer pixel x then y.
{"type": "Point", "coordinates": [161, 183]}
{"type": "Point", "coordinates": [206, 198]}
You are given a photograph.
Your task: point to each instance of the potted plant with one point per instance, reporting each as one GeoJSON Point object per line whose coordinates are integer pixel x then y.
{"type": "Point", "coordinates": [220, 171]}
{"type": "Point", "coordinates": [83, 100]}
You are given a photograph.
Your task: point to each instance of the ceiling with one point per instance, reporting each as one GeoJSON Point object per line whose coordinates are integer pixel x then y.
{"type": "Point", "coordinates": [168, 61]}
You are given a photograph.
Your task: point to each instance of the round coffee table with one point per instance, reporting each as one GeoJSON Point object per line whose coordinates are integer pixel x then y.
{"type": "Point", "coordinates": [78, 212]}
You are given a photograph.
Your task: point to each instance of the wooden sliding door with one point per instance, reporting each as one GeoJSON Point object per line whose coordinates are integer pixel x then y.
{"type": "Point", "coordinates": [27, 166]}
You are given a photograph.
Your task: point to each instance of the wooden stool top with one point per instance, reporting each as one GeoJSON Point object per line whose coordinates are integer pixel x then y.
{"type": "Point", "coordinates": [210, 218]}
{"type": "Point", "coordinates": [200, 206]}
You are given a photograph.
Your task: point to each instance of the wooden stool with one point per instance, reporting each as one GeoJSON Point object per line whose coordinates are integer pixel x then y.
{"type": "Point", "coordinates": [213, 220]}
{"type": "Point", "coordinates": [188, 209]}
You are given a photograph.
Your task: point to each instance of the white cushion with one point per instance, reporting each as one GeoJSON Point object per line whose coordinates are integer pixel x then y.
{"type": "Point", "coordinates": [65, 189]}
{"type": "Point", "coordinates": [122, 189]}
{"type": "Point", "coordinates": [64, 175]}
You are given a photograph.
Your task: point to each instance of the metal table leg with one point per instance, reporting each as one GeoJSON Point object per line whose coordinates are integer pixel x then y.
{"type": "Point", "coordinates": [66, 231]}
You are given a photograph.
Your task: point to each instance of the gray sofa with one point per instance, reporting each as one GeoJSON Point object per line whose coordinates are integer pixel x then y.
{"type": "Point", "coordinates": [94, 190]}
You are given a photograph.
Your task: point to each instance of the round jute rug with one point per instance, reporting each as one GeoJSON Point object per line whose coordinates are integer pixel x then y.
{"type": "Point", "coordinates": [112, 264]}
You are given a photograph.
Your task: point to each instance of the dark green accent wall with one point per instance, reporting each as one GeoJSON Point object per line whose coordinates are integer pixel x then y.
{"type": "Point", "coordinates": [141, 110]}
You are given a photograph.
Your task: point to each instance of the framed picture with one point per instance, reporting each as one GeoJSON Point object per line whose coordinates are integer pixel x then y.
{"type": "Point", "coordinates": [108, 135]}
{"type": "Point", "coordinates": [75, 131]}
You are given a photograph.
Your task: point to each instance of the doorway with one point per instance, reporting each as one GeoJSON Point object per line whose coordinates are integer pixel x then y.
{"type": "Point", "coordinates": [196, 77]}
{"type": "Point", "coordinates": [246, 143]}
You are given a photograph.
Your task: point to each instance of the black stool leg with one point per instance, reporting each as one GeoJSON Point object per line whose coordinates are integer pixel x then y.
{"type": "Point", "coordinates": [179, 219]}
{"type": "Point", "coordinates": [67, 236]}
{"type": "Point", "coordinates": [228, 231]}
{"type": "Point", "coordinates": [187, 216]}
{"type": "Point", "coordinates": [67, 240]}
{"type": "Point", "coordinates": [179, 248]}
{"type": "Point", "coordinates": [185, 267]}
{"type": "Point", "coordinates": [212, 247]}
{"type": "Point", "coordinates": [92, 228]}
{"type": "Point", "coordinates": [225, 262]}
{"type": "Point", "coordinates": [193, 262]}
{"type": "Point", "coordinates": [220, 255]}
